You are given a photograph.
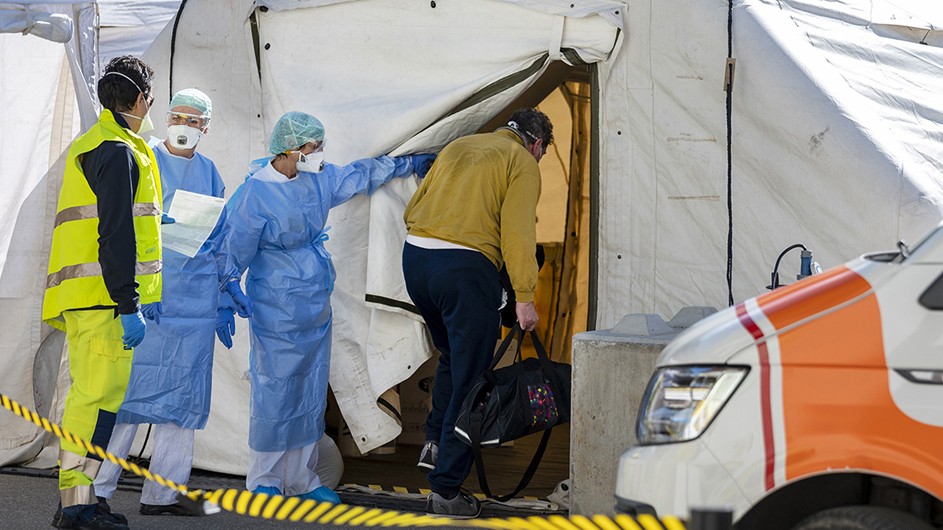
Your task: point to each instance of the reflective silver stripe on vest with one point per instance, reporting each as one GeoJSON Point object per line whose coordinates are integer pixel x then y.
{"type": "Point", "coordinates": [84, 270]}
{"type": "Point", "coordinates": [90, 211]}
{"type": "Point", "coordinates": [73, 463]}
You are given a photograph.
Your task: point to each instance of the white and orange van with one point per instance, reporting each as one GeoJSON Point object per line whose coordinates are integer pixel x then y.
{"type": "Point", "coordinates": [817, 405]}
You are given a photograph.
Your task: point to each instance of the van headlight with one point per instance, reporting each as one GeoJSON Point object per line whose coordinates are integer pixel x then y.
{"type": "Point", "coordinates": [682, 401]}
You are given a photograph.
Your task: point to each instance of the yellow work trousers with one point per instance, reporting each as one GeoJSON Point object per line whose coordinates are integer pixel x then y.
{"type": "Point", "coordinates": [100, 368]}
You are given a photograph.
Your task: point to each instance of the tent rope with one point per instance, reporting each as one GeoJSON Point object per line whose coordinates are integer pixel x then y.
{"type": "Point", "coordinates": [173, 48]}
{"type": "Point", "coordinates": [728, 87]}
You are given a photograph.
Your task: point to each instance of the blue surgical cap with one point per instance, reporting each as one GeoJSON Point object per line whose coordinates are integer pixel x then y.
{"type": "Point", "coordinates": [293, 130]}
{"type": "Point", "coordinates": [191, 97]}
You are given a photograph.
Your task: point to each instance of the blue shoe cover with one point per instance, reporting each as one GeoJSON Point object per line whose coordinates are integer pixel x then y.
{"type": "Point", "coordinates": [322, 494]}
{"type": "Point", "coordinates": [268, 490]}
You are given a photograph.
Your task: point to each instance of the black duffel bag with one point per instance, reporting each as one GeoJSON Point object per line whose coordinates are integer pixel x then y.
{"type": "Point", "coordinates": [529, 396]}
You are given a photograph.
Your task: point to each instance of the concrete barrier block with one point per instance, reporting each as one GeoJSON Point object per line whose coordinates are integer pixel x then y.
{"type": "Point", "coordinates": [689, 315]}
{"type": "Point", "coordinates": [611, 370]}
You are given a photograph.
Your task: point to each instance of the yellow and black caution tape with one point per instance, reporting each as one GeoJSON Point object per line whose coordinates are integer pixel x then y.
{"type": "Point", "coordinates": [283, 508]}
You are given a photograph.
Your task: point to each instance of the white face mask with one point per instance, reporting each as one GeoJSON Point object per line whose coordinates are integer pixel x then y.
{"type": "Point", "coordinates": [146, 124]}
{"type": "Point", "coordinates": [311, 163]}
{"type": "Point", "coordinates": [183, 136]}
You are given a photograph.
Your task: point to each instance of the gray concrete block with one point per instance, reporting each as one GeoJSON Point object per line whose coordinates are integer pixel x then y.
{"type": "Point", "coordinates": [689, 315]}
{"type": "Point", "coordinates": [611, 370]}
{"type": "Point", "coordinates": [643, 325]}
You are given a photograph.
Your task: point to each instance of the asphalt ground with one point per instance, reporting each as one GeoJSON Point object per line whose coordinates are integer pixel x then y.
{"type": "Point", "coordinates": [28, 500]}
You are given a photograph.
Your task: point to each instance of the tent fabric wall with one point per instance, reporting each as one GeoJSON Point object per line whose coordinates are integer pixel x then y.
{"type": "Point", "coordinates": [130, 26]}
{"type": "Point", "coordinates": [395, 101]}
{"type": "Point", "coordinates": [43, 112]}
{"type": "Point", "coordinates": [836, 144]}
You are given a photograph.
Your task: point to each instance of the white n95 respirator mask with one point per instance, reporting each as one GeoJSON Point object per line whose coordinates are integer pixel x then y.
{"type": "Point", "coordinates": [183, 136]}
{"type": "Point", "coordinates": [310, 163]}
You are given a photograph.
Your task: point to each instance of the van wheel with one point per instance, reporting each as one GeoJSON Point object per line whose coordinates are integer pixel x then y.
{"type": "Point", "coordinates": [862, 518]}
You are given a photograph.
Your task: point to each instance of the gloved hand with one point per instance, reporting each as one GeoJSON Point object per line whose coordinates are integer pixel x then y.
{"type": "Point", "coordinates": [422, 163]}
{"type": "Point", "coordinates": [243, 304]}
{"type": "Point", "coordinates": [166, 219]}
{"type": "Point", "coordinates": [225, 326]}
{"type": "Point", "coordinates": [153, 311]}
{"type": "Point", "coordinates": [134, 327]}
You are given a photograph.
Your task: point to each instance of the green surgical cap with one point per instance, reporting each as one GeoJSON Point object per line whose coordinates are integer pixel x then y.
{"type": "Point", "coordinates": [191, 97]}
{"type": "Point", "coordinates": [293, 130]}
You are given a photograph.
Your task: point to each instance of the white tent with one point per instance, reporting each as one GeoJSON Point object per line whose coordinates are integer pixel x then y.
{"type": "Point", "coordinates": [48, 59]}
{"type": "Point", "coordinates": [836, 143]}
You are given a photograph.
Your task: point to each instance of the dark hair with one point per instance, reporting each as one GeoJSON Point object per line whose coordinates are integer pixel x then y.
{"type": "Point", "coordinates": [117, 93]}
{"type": "Point", "coordinates": [535, 123]}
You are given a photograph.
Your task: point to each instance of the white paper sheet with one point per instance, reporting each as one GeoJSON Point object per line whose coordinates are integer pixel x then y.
{"type": "Point", "coordinates": [195, 215]}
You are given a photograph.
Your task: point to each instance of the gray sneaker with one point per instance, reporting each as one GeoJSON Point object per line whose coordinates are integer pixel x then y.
{"type": "Point", "coordinates": [463, 506]}
{"type": "Point", "coordinates": [428, 457]}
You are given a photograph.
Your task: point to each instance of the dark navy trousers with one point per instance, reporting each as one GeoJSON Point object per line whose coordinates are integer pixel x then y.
{"type": "Point", "coordinates": [458, 293]}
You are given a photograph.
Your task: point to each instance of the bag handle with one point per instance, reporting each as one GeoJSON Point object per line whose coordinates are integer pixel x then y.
{"type": "Point", "coordinates": [480, 463]}
{"type": "Point", "coordinates": [506, 345]}
{"type": "Point", "coordinates": [476, 417]}
{"type": "Point", "coordinates": [541, 353]}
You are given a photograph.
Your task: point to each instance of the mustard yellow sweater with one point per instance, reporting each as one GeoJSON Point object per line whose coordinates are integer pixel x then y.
{"type": "Point", "coordinates": [482, 193]}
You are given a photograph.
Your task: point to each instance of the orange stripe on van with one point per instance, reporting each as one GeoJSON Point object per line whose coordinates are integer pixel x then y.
{"type": "Point", "coordinates": [837, 407]}
{"type": "Point", "coordinates": [813, 295]}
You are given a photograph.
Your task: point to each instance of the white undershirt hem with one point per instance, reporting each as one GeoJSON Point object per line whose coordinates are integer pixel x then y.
{"type": "Point", "coordinates": [431, 243]}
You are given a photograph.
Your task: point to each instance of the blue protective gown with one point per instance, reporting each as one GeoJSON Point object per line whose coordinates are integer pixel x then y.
{"type": "Point", "coordinates": [171, 374]}
{"type": "Point", "coordinates": [274, 227]}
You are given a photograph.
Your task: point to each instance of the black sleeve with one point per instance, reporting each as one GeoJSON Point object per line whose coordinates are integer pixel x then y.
{"type": "Point", "coordinates": [112, 173]}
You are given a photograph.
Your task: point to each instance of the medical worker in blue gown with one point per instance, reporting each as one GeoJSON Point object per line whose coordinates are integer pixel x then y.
{"type": "Point", "coordinates": [171, 374]}
{"type": "Point", "coordinates": [275, 228]}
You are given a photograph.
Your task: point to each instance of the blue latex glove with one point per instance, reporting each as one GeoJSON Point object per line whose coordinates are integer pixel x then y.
{"type": "Point", "coordinates": [166, 219]}
{"type": "Point", "coordinates": [152, 311]}
{"type": "Point", "coordinates": [225, 326]}
{"type": "Point", "coordinates": [243, 304]}
{"type": "Point", "coordinates": [134, 327]}
{"type": "Point", "coordinates": [422, 163]}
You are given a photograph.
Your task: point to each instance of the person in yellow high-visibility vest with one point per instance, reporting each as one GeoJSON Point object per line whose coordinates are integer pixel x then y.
{"type": "Point", "coordinates": [105, 263]}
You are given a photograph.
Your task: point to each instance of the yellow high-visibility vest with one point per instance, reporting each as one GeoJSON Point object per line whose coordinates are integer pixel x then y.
{"type": "Point", "coordinates": [74, 279]}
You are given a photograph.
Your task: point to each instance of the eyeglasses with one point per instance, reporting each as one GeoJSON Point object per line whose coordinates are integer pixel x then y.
{"type": "Point", "coordinates": [149, 100]}
{"type": "Point", "coordinates": [182, 118]}
{"type": "Point", "coordinates": [318, 146]}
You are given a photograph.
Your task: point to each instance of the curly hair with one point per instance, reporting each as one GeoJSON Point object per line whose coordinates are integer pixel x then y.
{"type": "Point", "coordinates": [535, 123]}
{"type": "Point", "coordinates": [116, 92]}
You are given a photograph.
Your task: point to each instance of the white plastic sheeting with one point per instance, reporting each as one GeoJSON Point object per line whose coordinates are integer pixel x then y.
{"type": "Point", "coordinates": [130, 26]}
{"type": "Point", "coordinates": [55, 27]}
{"type": "Point", "coordinates": [372, 71]}
{"type": "Point", "coordinates": [837, 143]}
{"type": "Point", "coordinates": [42, 109]}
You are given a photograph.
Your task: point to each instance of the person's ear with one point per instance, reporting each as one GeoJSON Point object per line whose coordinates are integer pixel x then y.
{"type": "Point", "coordinates": [536, 149]}
{"type": "Point", "coordinates": [140, 102]}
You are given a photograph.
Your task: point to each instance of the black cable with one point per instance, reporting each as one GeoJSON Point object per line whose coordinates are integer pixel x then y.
{"type": "Point", "coordinates": [729, 88]}
{"type": "Point", "coordinates": [173, 48]}
{"type": "Point", "coordinates": [774, 276]}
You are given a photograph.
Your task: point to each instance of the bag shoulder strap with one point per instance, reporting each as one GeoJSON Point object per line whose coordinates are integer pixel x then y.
{"type": "Point", "coordinates": [480, 463]}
